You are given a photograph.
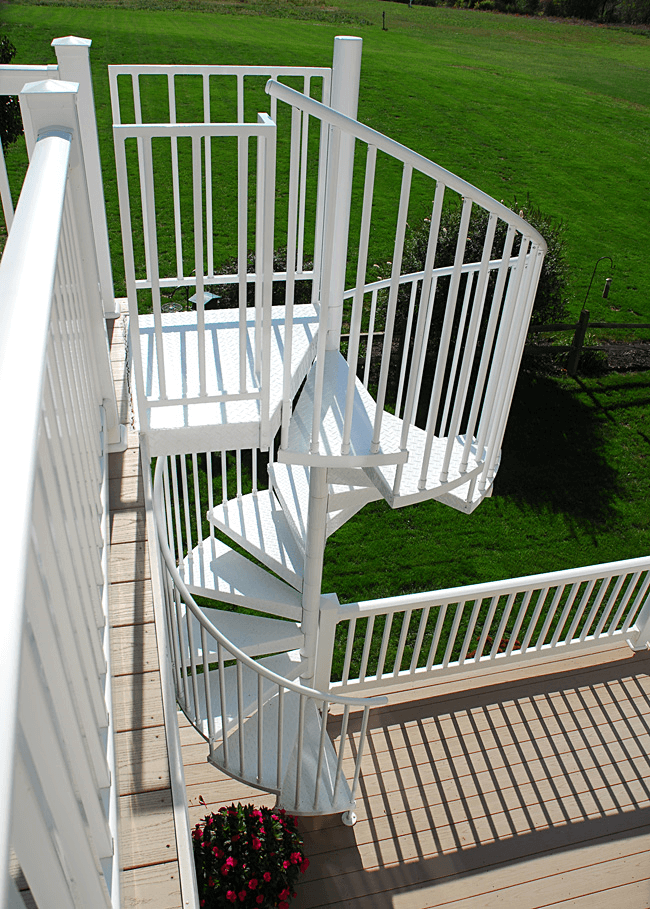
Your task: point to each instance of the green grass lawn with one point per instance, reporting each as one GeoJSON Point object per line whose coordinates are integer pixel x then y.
{"type": "Point", "coordinates": [516, 106]}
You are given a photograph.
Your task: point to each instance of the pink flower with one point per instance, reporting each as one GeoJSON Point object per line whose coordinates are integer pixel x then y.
{"type": "Point", "coordinates": [285, 894]}
{"type": "Point", "coordinates": [295, 858]}
{"type": "Point", "coordinates": [267, 876]}
{"type": "Point", "coordinates": [252, 884]}
{"type": "Point", "coordinates": [232, 896]}
{"type": "Point", "coordinates": [256, 844]}
{"type": "Point", "coordinates": [305, 865]}
{"type": "Point", "coordinates": [217, 852]}
{"type": "Point", "coordinates": [242, 895]}
{"type": "Point", "coordinates": [260, 899]}
{"type": "Point", "coordinates": [283, 905]}
{"type": "Point", "coordinates": [285, 864]}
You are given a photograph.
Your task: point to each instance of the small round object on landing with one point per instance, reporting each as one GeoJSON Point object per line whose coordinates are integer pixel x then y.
{"type": "Point", "coordinates": [349, 818]}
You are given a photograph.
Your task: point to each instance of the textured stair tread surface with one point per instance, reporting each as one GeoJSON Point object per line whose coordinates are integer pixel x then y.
{"type": "Point", "coordinates": [216, 571]}
{"type": "Point", "coordinates": [181, 359]}
{"type": "Point", "coordinates": [331, 423]}
{"type": "Point", "coordinates": [272, 766]}
{"type": "Point", "coordinates": [256, 521]}
{"type": "Point", "coordinates": [409, 492]}
{"type": "Point", "coordinates": [255, 635]}
{"type": "Point", "coordinates": [288, 665]}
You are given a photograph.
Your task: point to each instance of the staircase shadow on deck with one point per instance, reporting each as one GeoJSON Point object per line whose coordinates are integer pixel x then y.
{"type": "Point", "coordinates": [553, 453]}
{"type": "Point", "coordinates": [473, 797]}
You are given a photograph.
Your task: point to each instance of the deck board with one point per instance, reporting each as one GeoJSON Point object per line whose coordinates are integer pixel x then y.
{"type": "Point", "coordinates": [530, 789]}
{"type": "Point", "coordinates": [147, 832]}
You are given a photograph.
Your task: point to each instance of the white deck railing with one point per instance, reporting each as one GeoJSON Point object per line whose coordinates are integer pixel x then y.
{"type": "Point", "coordinates": [409, 639]}
{"type": "Point", "coordinates": [57, 773]}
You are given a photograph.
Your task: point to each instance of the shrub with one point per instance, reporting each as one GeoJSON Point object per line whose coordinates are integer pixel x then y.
{"type": "Point", "coordinates": [551, 298]}
{"type": "Point", "coordinates": [247, 857]}
{"type": "Point", "coordinates": [11, 124]}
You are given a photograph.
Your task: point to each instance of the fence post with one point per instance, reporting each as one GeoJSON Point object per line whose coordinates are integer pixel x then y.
{"type": "Point", "coordinates": [576, 345]}
{"type": "Point", "coordinates": [328, 618]}
{"type": "Point", "coordinates": [74, 66]}
{"type": "Point", "coordinates": [346, 72]}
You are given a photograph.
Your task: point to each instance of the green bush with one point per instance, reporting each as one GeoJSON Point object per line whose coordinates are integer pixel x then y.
{"type": "Point", "coordinates": [551, 299]}
{"type": "Point", "coordinates": [11, 124]}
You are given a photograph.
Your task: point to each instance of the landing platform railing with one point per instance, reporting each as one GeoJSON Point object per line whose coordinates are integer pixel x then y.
{"type": "Point", "coordinates": [140, 219]}
{"type": "Point", "coordinates": [58, 784]}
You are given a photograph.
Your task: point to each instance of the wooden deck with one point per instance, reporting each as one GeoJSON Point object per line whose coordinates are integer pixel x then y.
{"type": "Point", "coordinates": [147, 834]}
{"type": "Point", "coordinates": [520, 789]}
{"type": "Point", "coordinates": [531, 790]}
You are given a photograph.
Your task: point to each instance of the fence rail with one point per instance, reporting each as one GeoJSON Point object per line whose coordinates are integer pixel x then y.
{"type": "Point", "coordinates": [57, 773]}
{"type": "Point", "coordinates": [406, 639]}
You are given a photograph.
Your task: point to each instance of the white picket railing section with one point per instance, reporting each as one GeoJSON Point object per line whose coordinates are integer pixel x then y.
{"type": "Point", "coordinates": [182, 249]}
{"type": "Point", "coordinates": [73, 66]}
{"type": "Point", "coordinates": [408, 639]}
{"type": "Point", "coordinates": [58, 790]}
{"type": "Point", "coordinates": [260, 727]}
{"type": "Point", "coordinates": [478, 311]}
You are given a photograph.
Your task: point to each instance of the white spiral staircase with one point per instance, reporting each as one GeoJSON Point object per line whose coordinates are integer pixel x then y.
{"type": "Point", "coordinates": [411, 406]}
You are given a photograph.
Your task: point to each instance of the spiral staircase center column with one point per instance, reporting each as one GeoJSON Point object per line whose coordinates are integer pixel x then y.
{"type": "Point", "coordinates": [313, 572]}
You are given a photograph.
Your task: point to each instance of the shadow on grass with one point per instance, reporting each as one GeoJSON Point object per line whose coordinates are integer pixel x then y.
{"type": "Point", "coordinates": [553, 454]}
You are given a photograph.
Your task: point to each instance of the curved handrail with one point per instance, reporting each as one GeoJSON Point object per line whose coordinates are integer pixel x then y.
{"type": "Point", "coordinates": [236, 653]}
{"type": "Point", "coordinates": [442, 272]}
{"type": "Point", "coordinates": [397, 150]}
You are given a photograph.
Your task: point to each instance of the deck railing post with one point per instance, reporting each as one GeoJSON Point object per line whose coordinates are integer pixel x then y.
{"type": "Point", "coordinates": [39, 111]}
{"type": "Point", "coordinates": [346, 71]}
{"type": "Point", "coordinates": [642, 626]}
{"type": "Point", "coordinates": [74, 66]}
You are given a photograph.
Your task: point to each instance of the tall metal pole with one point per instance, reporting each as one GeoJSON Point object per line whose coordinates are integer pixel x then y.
{"type": "Point", "coordinates": [346, 72]}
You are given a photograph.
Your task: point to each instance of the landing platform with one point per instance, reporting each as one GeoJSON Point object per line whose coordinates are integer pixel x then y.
{"type": "Point", "coordinates": [222, 424]}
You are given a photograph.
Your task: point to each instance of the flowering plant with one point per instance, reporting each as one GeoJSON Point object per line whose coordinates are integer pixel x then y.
{"type": "Point", "coordinates": [247, 857]}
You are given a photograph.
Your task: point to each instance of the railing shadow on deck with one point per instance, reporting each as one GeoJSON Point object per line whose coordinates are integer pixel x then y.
{"type": "Point", "coordinates": [460, 783]}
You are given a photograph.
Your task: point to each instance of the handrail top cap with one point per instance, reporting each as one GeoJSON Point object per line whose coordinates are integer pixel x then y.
{"type": "Point", "coordinates": [71, 41]}
{"type": "Point", "coordinates": [50, 86]}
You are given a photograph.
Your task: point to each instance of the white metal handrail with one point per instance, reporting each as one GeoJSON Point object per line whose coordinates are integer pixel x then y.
{"type": "Point", "coordinates": [483, 316]}
{"type": "Point", "coordinates": [470, 628]}
{"type": "Point", "coordinates": [58, 774]}
{"type": "Point", "coordinates": [193, 662]}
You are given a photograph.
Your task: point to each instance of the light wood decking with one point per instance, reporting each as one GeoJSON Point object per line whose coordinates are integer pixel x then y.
{"type": "Point", "coordinates": [521, 789]}
{"type": "Point", "coordinates": [530, 790]}
{"type": "Point", "coordinates": [147, 835]}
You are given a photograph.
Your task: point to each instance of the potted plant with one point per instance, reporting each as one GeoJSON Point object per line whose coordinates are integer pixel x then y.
{"type": "Point", "coordinates": [247, 857]}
